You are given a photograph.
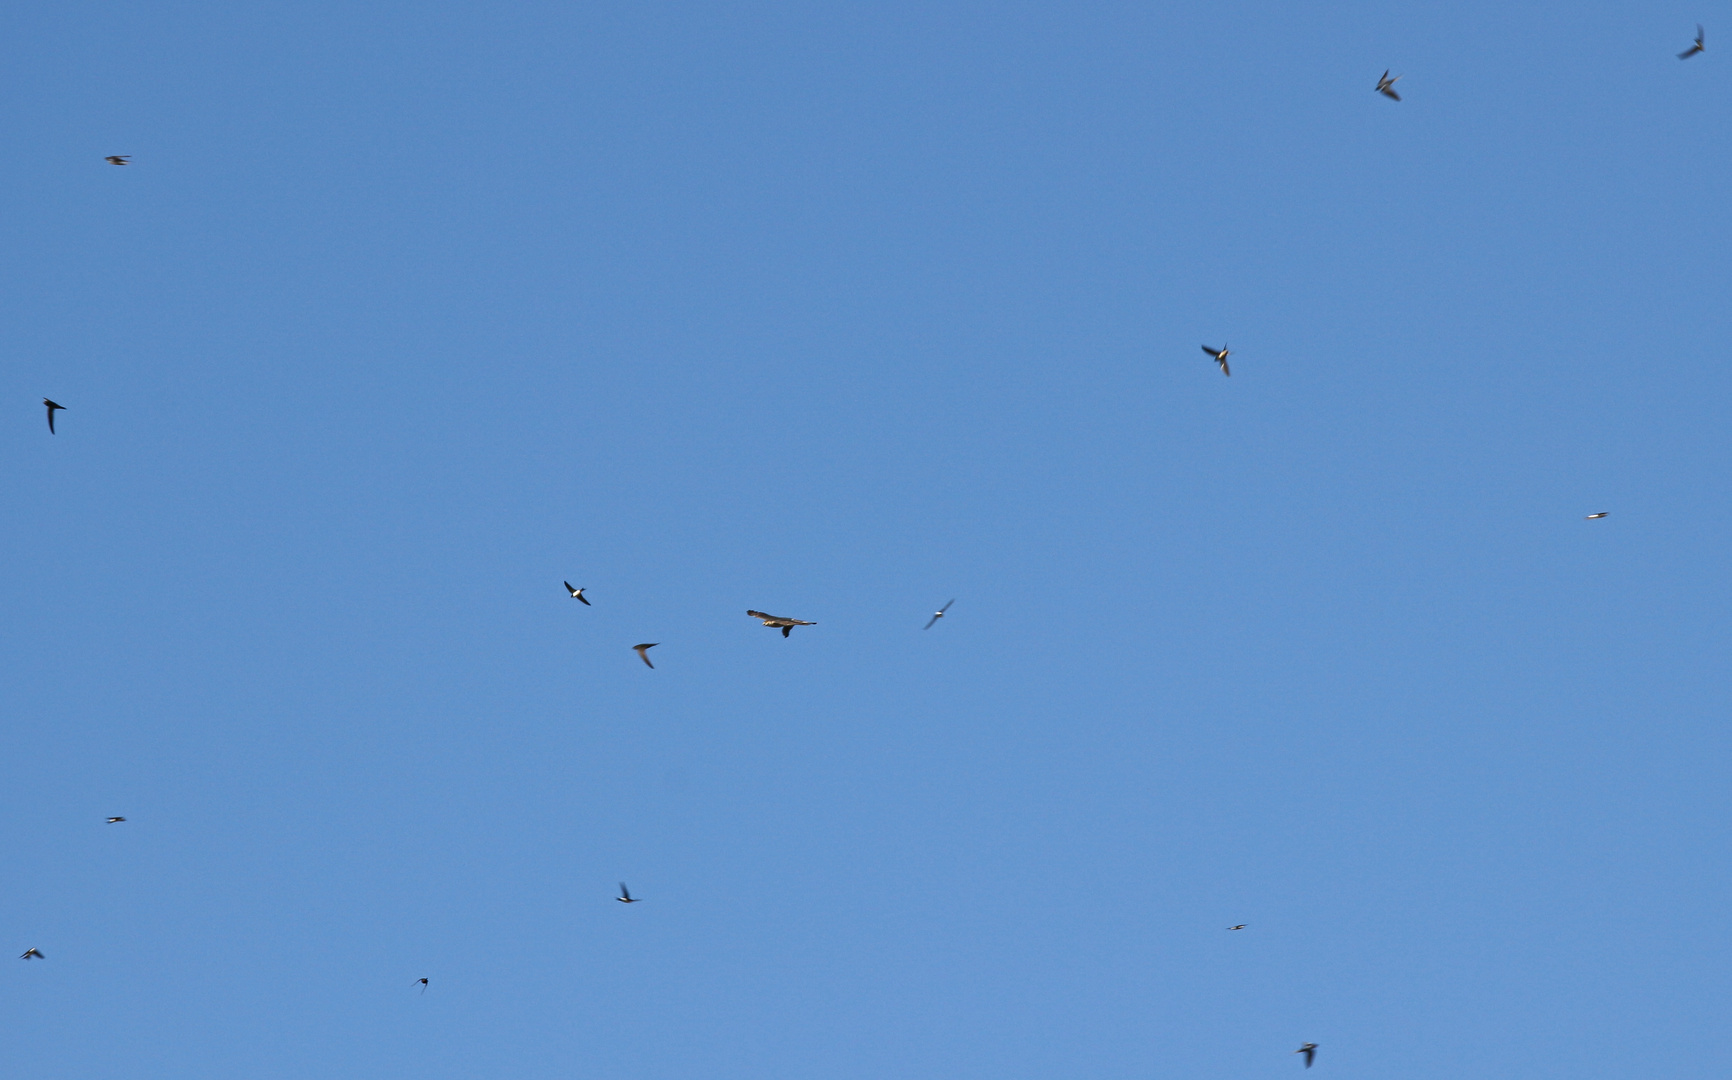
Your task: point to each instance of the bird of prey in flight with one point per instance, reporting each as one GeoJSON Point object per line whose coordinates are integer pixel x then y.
{"type": "Point", "coordinates": [643, 652]}
{"type": "Point", "coordinates": [119, 159]}
{"type": "Point", "coordinates": [1386, 86]}
{"type": "Point", "coordinates": [1241, 926]}
{"type": "Point", "coordinates": [773, 621]}
{"type": "Point", "coordinates": [115, 820]}
{"type": "Point", "coordinates": [423, 983]}
{"type": "Point", "coordinates": [1592, 517]}
{"type": "Point", "coordinates": [625, 896]}
{"type": "Point", "coordinates": [576, 594]}
{"type": "Point", "coordinates": [1220, 356]}
{"type": "Point", "coordinates": [33, 953]}
{"type": "Point", "coordinates": [1310, 1051]}
{"type": "Point", "coordinates": [939, 614]}
{"type": "Point", "coordinates": [1696, 47]}
{"type": "Point", "coordinates": [51, 408]}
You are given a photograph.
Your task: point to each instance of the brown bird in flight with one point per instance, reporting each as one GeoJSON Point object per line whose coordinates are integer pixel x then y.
{"type": "Point", "coordinates": [119, 159]}
{"type": "Point", "coordinates": [643, 652]}
{"type": "Point", "coordinates": [33, 953]}
{"type": "Point", "coordinates": [1699, 46]}
{"type": "Point", "coordinates": [1310, 1052]}
{"type": "Point", "coordinates": [1220, 356]}
{"type": "Point", "coordinates": [774, 621]}
{"type": "Point", "coordinates": [625, 896]}
{"type": "Point", "coordinates": [51, 408]}
{"type": "Point", "coordinates": [1386, 86]}
{"type": "Point", "coordinates": [423, 983]}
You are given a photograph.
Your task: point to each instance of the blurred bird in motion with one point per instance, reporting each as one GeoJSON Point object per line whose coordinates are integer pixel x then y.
{"type": "Point", "coordinates": [423, 983]}
{"type": "Point", "coordinates": [625, 896]}
{"type": "Point", "coordinates": [1241, 926]}
{"type": "Point", "coordinates": [119, 159]}
{"type": "Point", "coordinates": [939, 614]}
{"type": "Point", "coordinates": [577, 594]}
{"type": "Point", "coordinates": [33, 953]}
{"type": "Point", "coordinates": [115, 820]}
{"type": "Point", "coordinates": [1310, 1052]}
{"type": "Point", "coordinates": [51, 408]}
{"type": "Point", "coordinates": [1386, 86]}
{"type": "Point", "coordinates": [1220, 356]}
{"type": "Point", "coordinates": [1696, 47]}
{"type": "Point", "coordinates": [1596, 517]}
{"type": "Point", "coordinates": [643, 652]}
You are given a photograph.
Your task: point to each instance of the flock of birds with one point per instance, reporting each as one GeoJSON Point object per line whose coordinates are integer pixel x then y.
{"type": "Point", "coordinates": [1385, 86]}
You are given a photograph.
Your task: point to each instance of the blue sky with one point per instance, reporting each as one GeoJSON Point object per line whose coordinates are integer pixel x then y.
{"type": "Point", "coordinates": [403, 314]}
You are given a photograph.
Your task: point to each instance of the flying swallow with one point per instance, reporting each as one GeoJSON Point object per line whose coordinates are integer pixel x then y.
{"type": "Point", "coordinates": [115, 820]}
{"type": "Point", "coordinates": [33, 953]}
{"type": "Point", "coordinates": [576, 594]}
{"type": "Point", "coordinates": [643, 652]}
{"type": "Point", "coordinates": [423, 983]}
{"type": "Point", "coordinates": [1592, 517]}
{"type": "Point", "coordinates": [51, 408]}
{"type": "Point", "coordinates": [1309, 1050]}
{"type": "Point", "coordinates": [1241, 926]}
{"type": "Point", "coordinates": [1386, 86]}
{"type": "Point", "coordinates": [939, 614]}
{"type": "Point", "coordinates": [1220, 356]}
{"type": "Point", "coordinates": [625, 896]}
{"type": "Point", "coordinates": [786, 625]}
{"type": "Point", "coordinates": [119, 159]}
{"type": "Point", "coordinates": [1699, 46]}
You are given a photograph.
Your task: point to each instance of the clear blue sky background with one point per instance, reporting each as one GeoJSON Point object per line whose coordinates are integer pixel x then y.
{"type": "Point", "coordinates": [404, 313]}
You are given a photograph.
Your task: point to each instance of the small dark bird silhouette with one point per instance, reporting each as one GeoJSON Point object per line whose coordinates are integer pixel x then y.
{"type": "Point", "coordinates": [115, 820]}
{"type": "Point", "coordinates": [786, 625]}
{"type": "Point", "coordinates": [423, 983]}
{"type": "Point", "coordinates": [119, 159]}
{"type": "Point", "coordinates": [576, 594]}
{"type": "Point", "coordinates": [1310, 1052]}
{"type": "Point", "coordinates": [1220, 356]}
{"type": "Point", "coordinates": [939, 614]}
{"type": "Point", "coordinates": [625, 896]}
{"type": "Point", "coordinates": [33, 953]}
{"type": "Point", "coordinates": [1699, 45]}
{"type": "Point", "coordinates": [1241, 926]}
{"type": "Point", "coordinates": [51, 408]}
{"type": "Point", "coordinates": [1386, 86]}
{"type": "Point", "coordinates": [1593, 517]}
{"type": "Point", "coordinates": [643, 652]}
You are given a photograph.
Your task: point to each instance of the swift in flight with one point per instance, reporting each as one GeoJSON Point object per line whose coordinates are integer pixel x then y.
{"type": "Point", "coordinates": [939, 614]}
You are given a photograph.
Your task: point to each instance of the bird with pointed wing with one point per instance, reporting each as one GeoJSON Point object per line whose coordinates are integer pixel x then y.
{"type": "Point", "coordinates": [1386, 86]}
{"type": "Point", "coordinates": [1220, 356]}
{"type": "Point", "coordinates": [576, 594]}
{"type": "Point", "coordinates": [1698, 46]}
{"type": "Point", "coordinates": [777, 622]}
{"type": "Point", "coordinates": [939, 614]}
{"type": "Point", "coordinates": [625, 896]}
